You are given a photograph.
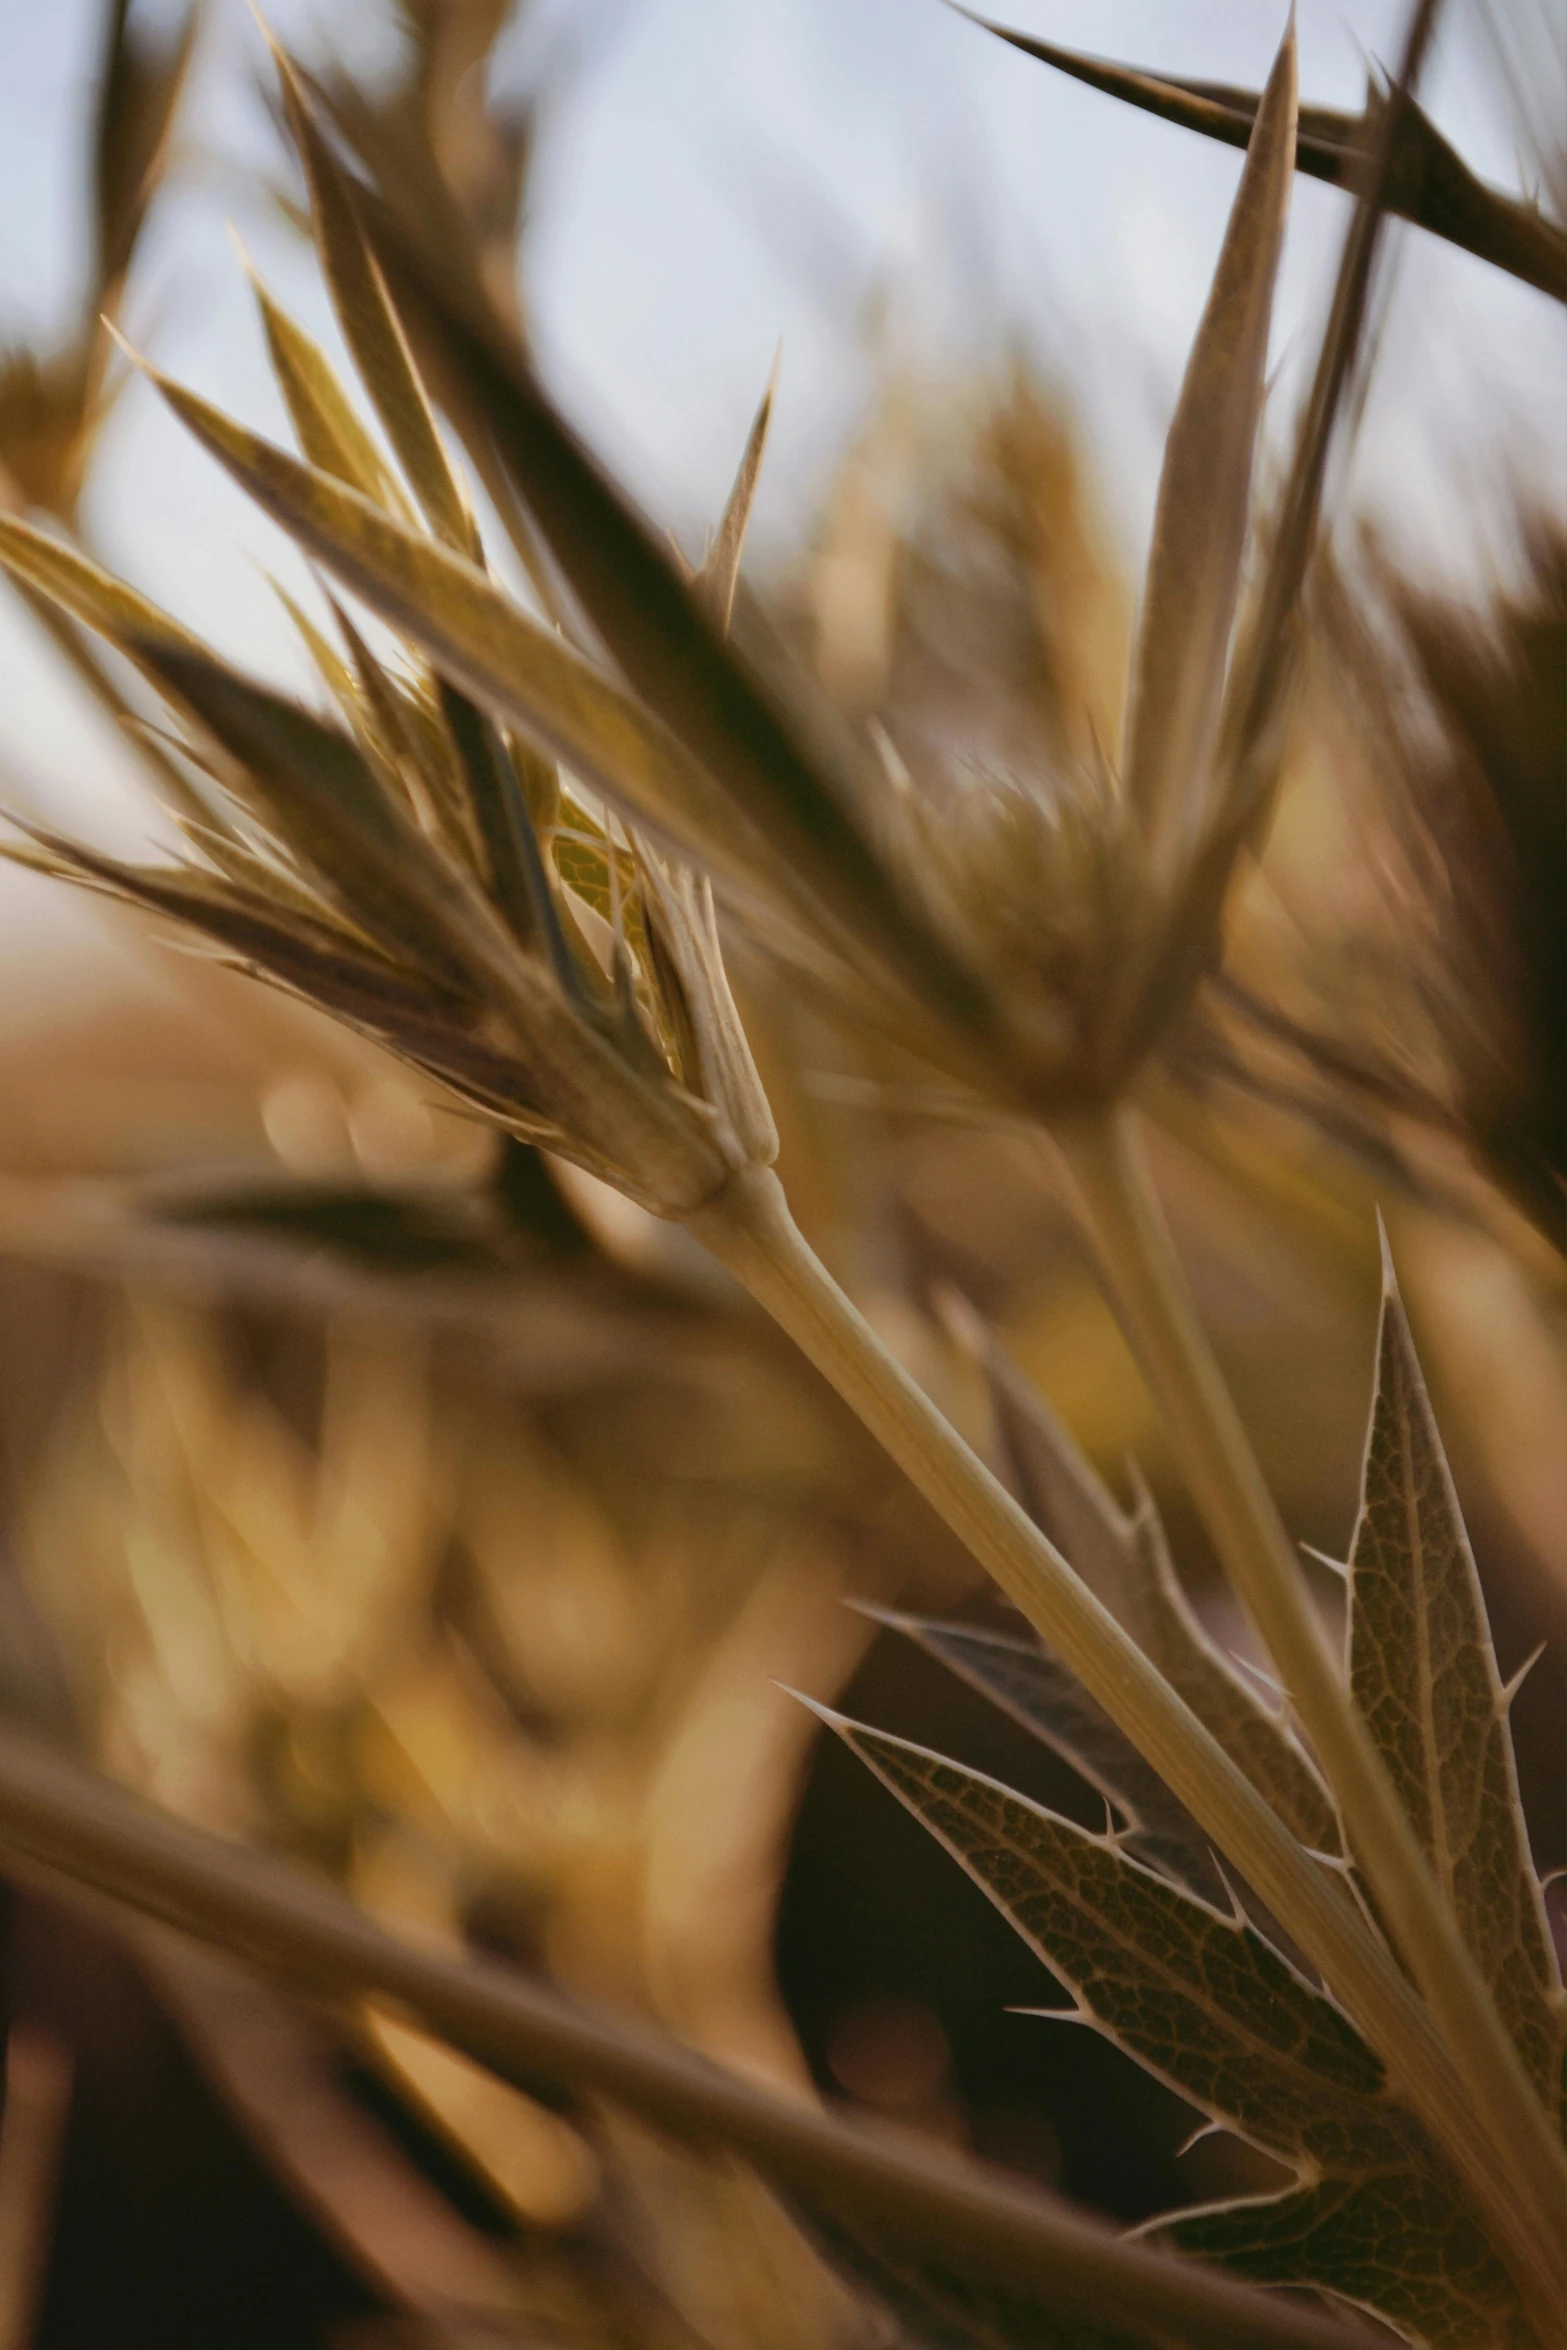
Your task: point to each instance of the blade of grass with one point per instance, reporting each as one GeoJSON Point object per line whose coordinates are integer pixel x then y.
{"type": "Point", "coordinates": [64, 1822]}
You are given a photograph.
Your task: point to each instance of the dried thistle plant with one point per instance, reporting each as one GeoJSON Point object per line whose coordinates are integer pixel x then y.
{"type": "Point", "coordinates": [1149, 1937]}
{"type": "Point", "coordinates": [395, 869]}
{"type": "Point", "coordinates": [535, 940]}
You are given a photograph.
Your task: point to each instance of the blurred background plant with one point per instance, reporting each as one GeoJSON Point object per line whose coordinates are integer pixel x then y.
{"type": "Point", "coordinates": [402, 1498]}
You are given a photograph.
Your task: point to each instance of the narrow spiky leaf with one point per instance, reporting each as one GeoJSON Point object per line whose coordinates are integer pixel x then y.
{"type": "Point", "coordinates": [720, 573]}
{"type": "Point", "coordinates": [168, 774]}
{"type": "Point", "coordinates": [328, 431]}
{"type": "Point", "coordinates": [1036, 1689]}
{"type": "Point", "coordinates": [335, 673]}
{"type": "Point", "coordinates": [481, 640]}
{"type": "Point", "coordinates": [325, 801]}
{"type": "Point", "coordinates": [1200, 524]}
{"type": "Point", "coordinates": [1430, 184]}
{"type": "Point", "coordinates": [138, 99]}
{"type": "Point", "coordinates": [1265, 661]}
{"type": "Point", "coordinates": [1126, 1562]}
{"type": "Point", "coordinates": [1198, 1997]}
{"type": "Point", "coordinates": [314, 960]}
{"type": "Point", "coordinates": [516, 869]}
{"type": "Point", "coordinates": [378, 714]}
{"type": "Point", "coordinates": [90, 594]}
{"type": "Point", "coordinates": [1424, 1677]}
{"type": "Point", "coordinates": [372, 330]}
{"type": "Point", "coordinates": [674, 657]}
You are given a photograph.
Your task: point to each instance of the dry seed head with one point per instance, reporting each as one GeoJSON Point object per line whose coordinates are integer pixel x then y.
{"type": "Point", "coordinates": [394, 874]}
{"type": "Point", "coordinates": [1042, 880]}
{"type": "Point", "coordinates": [1089, 901]}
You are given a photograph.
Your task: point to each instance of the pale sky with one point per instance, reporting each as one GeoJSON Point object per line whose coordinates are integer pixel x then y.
{"type": "Point", "coordinates": [720, 174]}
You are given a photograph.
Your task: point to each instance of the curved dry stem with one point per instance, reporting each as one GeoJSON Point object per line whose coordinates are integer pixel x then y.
{"type": "Point", "coordinates": [1120, 1214]}
{"type": "Point", "coordinates": [58, 1820]}
{"type": "Point", "coordinates": [749, 1228]}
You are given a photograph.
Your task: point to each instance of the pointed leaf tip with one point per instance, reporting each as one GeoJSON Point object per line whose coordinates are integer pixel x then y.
{"type": "Point", "coordinates": [1202, 520]}
{"type": "Point", "coordinates": [823, 1713]}
{"type": "Point", "coordinates": [371, 325]}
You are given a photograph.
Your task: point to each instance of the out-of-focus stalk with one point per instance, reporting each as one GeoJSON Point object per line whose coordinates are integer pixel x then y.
{"type": "Point", "coordinates": [61, 1821]}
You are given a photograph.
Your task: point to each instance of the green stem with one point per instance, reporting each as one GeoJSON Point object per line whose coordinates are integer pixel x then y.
{"type": "Point", "coordinates": [749, 1228]}
{"type": "Point", "coordinates": [1120, 1213]}
{"type": "Point", "coordinates": [58, 1820]}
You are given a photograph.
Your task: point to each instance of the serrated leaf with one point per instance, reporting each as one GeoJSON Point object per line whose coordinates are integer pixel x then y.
{"type": "Point", "coordinates": [1200, 524]}
{"type": "Point", "coordinates": [1205, 2004]}
{"type": "Point", "coordinates": [1401, 2244]}
{"type": "Point", "coordinates": [372, 330]}
{"type": "Point", "coordinates": [1429, 184]}
{"type": "Point", "coordinates": [252, 1904]}
{"type": "Point", "coordinates": [327, 429]}
{"type": "Point", "coordinates": [1197, 1997]}
{"type": "Point", "coordinates": [1424, 1678]}
{"type": "Point", "coordinates": [1036, 1689]}
{"type": "Point", "coordinates": [1126, 1563]}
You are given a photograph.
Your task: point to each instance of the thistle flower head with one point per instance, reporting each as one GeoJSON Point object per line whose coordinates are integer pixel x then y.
{"type": "Point", "coordinates": [415, 865]}
{"type": "Point", "coordinates": [1031, 938]}
{"type": "Point", "coordinates": [489, 865]}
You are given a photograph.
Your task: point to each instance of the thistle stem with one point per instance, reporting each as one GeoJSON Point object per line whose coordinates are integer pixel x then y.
{"type": "Point", "coordinates": [1120, 1213]}
{"type": "Point", "coordinates": [749, 1229]}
